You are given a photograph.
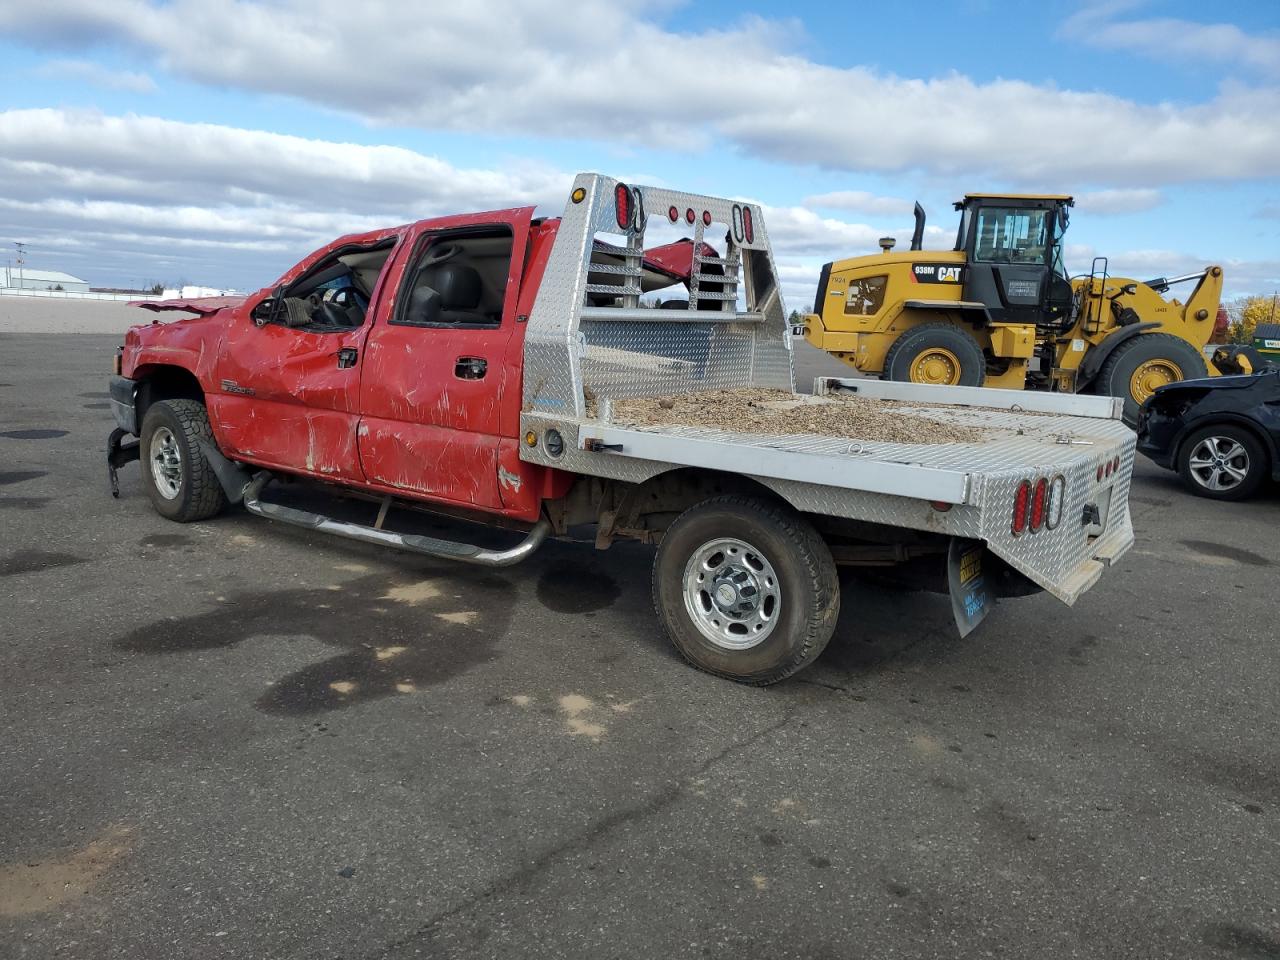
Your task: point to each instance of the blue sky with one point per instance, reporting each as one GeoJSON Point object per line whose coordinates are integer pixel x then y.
{"type": "Point", "coordinates": [216, 142]}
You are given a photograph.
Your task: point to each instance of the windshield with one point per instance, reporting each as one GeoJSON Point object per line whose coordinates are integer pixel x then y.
{"type": "Point", "coordinates": [1012, 235]}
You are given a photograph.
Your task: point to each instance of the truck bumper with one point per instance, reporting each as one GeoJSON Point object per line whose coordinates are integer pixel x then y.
{"type": "Point", "coordinates": [123, 407]}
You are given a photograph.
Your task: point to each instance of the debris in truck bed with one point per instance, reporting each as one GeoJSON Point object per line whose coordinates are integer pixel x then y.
{"type": "Point", "coordinates": [770, 411]}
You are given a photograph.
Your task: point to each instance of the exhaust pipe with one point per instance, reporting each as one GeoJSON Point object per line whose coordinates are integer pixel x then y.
{"type": "Point", "coordinates": [414, 543]}
{"type": "Point", "coordinates": [917, 237]}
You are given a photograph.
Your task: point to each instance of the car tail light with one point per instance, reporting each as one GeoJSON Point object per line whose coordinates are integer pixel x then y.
{"type": "Point", "coordinates": [1038, 504]}
{"type": "Point", "coordinates": [690, 216]}
{"type": "Point", "coordinates": [706, 218]}
{"type": "Point", "coordinates": [1101, 468]}
{"type": "Point", "coordinates": [748, 228]}
{"type": "Point", "coordinates": [622, 205]}
{"type": "Point", "coordinates": [737, 223]}
{"type": "Point", "coordinates": [1021, 501]}
{"type": "Point", "coordinates": [1057, 496]}
{"type": "Point", "coordinates": [673, 214]}
{"type": "Point", "coordinates": [1111, 467]}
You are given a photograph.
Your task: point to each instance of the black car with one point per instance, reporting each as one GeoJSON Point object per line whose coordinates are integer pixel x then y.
{"type": "Point", "coordinates": [1222, 434]}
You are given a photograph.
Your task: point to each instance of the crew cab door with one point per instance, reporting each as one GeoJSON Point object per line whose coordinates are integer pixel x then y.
{"type": "Point", "coordinates": [434, 381]}
{"type": "Point", "coordinates": [288, 373]}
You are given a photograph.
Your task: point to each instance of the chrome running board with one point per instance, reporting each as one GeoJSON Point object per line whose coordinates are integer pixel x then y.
{"type": "Point", "coordinates": [427, 546]}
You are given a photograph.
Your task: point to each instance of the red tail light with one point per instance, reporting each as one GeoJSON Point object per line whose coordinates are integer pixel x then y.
{"type": "Point", "coordinates": [1021, 501]}
{"type": "Point", "coordinates": [1037, 504]}
{"type": "Point", "coordinates": [673, 214]}
{"type": "Point", "coordinates": [622, 206]}
{"type": "Point", "coordinates": [748, 228]}
{"type": "Point", "coordinates": [689, 215]}
{"type": "Point", "coordinates": [1100, 469]}
{"type": "Point", "coordinates": [706, 218]}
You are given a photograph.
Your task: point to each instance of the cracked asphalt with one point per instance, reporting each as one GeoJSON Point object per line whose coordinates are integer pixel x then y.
{"type": "Point", "coordinates": [235, 739]}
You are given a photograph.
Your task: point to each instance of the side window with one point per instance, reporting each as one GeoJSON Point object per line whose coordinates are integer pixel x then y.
{"type": "Point", "coordinates": [1011, 235]}
{"type": "Point", "coordinates": [457, 279]}
{"type": "Point", "coordinates": [333, 295]}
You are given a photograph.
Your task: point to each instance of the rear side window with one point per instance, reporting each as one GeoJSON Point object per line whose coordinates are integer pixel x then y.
{"type": "Point", "coordinates": [457, 279]}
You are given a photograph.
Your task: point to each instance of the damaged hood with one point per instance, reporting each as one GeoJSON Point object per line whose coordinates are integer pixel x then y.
{"type": "Point", "coordinates": [200, 306]}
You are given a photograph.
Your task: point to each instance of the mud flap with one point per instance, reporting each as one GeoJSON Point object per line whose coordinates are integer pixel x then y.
{"type": "Point", "coordinates": [970, 583]}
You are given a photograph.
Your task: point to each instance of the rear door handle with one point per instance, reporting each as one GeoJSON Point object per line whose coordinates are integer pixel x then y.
{"type": "Point", "coordinates": [347, 357]}
{"type": "Point", "coordinates": [471, 368]}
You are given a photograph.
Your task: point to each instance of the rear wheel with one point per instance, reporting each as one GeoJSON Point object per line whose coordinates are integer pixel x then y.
{"type": "Point", "coordinates": [1140, 366]}
{"type": "Point", "coordinates": [178, 479]}
{"type": "Point", "coordinates": [936, 353]}
{"type": "Point", "coordinates": [746, 589]}
{"type": "Point", "coordinates": [1222, 462]}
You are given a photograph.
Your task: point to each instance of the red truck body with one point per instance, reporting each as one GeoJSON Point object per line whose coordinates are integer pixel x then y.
{"type": "Point", "coordinates": [406, 418]}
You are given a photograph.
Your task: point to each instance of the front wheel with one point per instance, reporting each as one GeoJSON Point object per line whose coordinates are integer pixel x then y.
{"type": "Point", "coordinates": [746, 589]}
{"type": "Point", "coordinates": [1141, 365]}
{"type": "Point", "coordinates": [175, 473]}
{"type": "Point", "coordinates": [1223, 462]}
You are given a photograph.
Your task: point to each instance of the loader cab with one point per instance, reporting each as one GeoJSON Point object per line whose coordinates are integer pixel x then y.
{"type": "Point", "coordinates": [1013, 248]}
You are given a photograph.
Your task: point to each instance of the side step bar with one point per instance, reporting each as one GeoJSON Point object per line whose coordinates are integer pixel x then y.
{"type": "Point", "coordinates": [427, 546]}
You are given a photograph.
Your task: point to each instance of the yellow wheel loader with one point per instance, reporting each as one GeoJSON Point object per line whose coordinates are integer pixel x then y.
{"type": "Point", "coordinates": [1000, 310]}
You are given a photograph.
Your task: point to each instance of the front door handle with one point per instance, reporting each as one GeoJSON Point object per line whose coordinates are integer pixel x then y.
{"type": "Point", "coordinates": [471, 368]}
{"type": "Point", "coordinates": [347, 357]}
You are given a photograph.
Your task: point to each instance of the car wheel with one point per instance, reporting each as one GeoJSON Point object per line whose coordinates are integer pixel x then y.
{"type": "Point", "coordinates": [175, 473]}
{"type": "Point", "coordinates": [1223, 462]}
{"type": "Point", "coordinates": [936, 353]}
{"type": "Point", "coordinates": [746, 589]}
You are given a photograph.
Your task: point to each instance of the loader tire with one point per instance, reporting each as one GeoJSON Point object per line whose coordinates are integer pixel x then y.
{"type": "Point", "coordinates": [178, 479]}
{"type": "Point", "coordinates": [1141, 364]}
{"type": "Point", "coordinates": [936, 353]}
{"type": "Point", "coordinates": [746, 589]}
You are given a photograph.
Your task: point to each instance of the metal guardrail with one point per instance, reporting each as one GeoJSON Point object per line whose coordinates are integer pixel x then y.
{"type": "Point", "coordinates": [76, 295]}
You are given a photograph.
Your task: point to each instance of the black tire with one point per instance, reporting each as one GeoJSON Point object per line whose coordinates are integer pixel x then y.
{"type": "Point", "coordinates": [1241, 450]}
{"type": "Point", "coordinates": [916, 343]}
{"type": "Point", "coordinates": [804, 588]}
{"type": "Point", "coordinates": [1116, 375]}
{"type": "Point", "coordinates": [175, 428]}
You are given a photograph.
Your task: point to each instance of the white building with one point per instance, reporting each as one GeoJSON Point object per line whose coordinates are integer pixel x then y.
{"type": "Point", "coordinates": [28, 279]}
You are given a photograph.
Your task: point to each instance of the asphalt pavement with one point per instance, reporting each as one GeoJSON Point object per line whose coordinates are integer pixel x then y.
{"type": "Point", "coordinates": [235, 739]}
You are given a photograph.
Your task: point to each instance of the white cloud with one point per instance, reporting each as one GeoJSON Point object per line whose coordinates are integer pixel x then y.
{"type": "Point", "coordinates": [1107, 202]}
{"type": "Point", "coordinates": [859, 201]}
{"type": "Point", "coordinates": [529, 67]}
{"type": "Point", "coordinates": [100, 76]}
{"type": "Point", "coordinates": [126, 198]}
{"type": "Point", "coordinates": [1172, 40]}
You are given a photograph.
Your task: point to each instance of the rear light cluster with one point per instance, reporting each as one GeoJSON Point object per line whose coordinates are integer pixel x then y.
{"type": "Point", "coordinates": [1107, 468]}
{"type": "Point", "coordinates": [744, 228]}
{"type": "Point", "coordinates": [1038, 505]}
{"type": "Point", "coordinates": [628, 207]}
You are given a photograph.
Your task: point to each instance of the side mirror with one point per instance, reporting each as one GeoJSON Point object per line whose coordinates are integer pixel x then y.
{"type": "Point", "coordinates": [424, 306]}
{"type": "Point", "coordinates": [264, 311]}
{"type": "Point", "coordinates": [268, 308]}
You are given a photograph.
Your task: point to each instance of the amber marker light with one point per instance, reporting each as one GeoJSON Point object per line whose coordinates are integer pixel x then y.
{"type": "Point", "coordinates": [577, 196]}
{"type": "Point", "coordinates": [531, 439]}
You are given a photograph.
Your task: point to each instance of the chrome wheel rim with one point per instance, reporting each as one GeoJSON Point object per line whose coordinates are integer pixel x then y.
{"type": "Point", "coordinates": [166, 463]}
{"type": "Point", "coordinates": [732, 593]}
{"type": "Point", "coordinates": [1219, 463]}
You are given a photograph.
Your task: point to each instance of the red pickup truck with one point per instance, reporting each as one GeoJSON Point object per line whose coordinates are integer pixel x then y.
{"type": "Point", "coordinates": [471, 364]}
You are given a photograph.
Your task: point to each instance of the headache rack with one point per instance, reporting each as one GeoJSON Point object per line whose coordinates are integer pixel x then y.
{"type": "Point", "coordinates": [732, 333]}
